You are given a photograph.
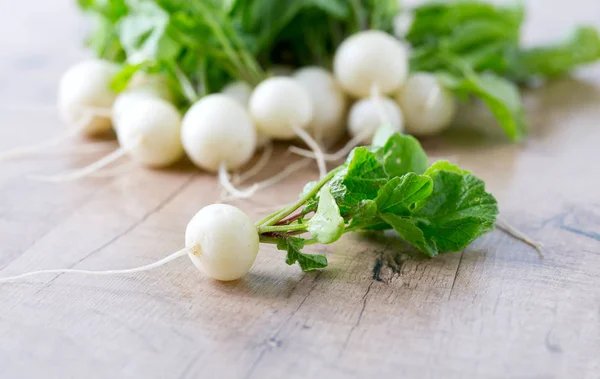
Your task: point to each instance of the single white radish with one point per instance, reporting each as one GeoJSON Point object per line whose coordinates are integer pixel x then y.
{"type": "Point", "coordinates": [221, 241]}
{"type": "Point", "coordinates": [329, 103]}
{"type": "Point", "coordinates": [370, 58]}
{"type": "Point", "coordinates": [85, 89]}
{"type": "Point", "coordinates": [217, 129]}
{"type": "Point", "coordinates": [141, 86]}
{"type": "Point", "coordinates": [150, 132]}
{"type": "Point", "coordinates": [278, 105]}
{"type": "Point", "coordinates": [241, 91]}
{"type": "Point", "coordinates": [225, 241]}
{"type": "Point", "coordinates": [365, 117]}
{"type": "Point", "coordinates": [428, 106]}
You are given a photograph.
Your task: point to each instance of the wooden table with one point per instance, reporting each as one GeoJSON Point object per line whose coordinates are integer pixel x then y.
{"type": "Point", "coordinates": [494, 310]}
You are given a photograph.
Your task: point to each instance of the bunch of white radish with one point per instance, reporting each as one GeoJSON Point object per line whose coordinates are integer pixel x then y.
{"type": "Point", "coordinates": [221, 132]}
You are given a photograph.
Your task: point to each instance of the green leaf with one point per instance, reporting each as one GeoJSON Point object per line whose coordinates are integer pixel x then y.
{"type": "Point", "coordinates": [399, 195]}
{"type": "Point", "coordinates": [326, 226]}
{"type": "Point", "coordinates": [409, 231]}
{"type": "Point", "coordinates": [307, 262]}
{"type": "Point", "coordinates": [582, 47]}
{"type": "Point", "coordinates": [457, 212]}
{"type": "Point", "coordinates": [360, 180]}
{"type": "Point", "coordinates": [501, 96]}
{"type": "Point", "coordinates": [443, 165]}
{"type": "Point", "coordinates": [104, 37]}
{"type": "Point", "coordinates": [143, 34]}
{"type": "Point", "coordinates": [402, 154]}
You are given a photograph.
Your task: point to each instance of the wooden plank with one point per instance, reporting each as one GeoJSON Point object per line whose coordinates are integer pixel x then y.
{"type": "Point", "coordinates": [495, 310]}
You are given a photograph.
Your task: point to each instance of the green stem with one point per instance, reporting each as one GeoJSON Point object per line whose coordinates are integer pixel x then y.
{"type": "Point", "coordinates": [221, 36]}
{"type": "Point", "coordinates": [187, 88]}
{"type": "Point", "coordinates": [280, 215]}
{"type": "Point", "coordinates": [270, 240]}
{"type": "Point", "coordinates": [281, 228]}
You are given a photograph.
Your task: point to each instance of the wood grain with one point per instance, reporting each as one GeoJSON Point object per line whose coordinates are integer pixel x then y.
{"type": "Point", "coordinates": [494, 310]}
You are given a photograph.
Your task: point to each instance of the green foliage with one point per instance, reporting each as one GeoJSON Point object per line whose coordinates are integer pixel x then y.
{"type": "Point", "coordinates": [437, 209]}
{"type": "Point", "coordinates": [307, 262]}
{"type": "Point", "coordinates": [475, 47]}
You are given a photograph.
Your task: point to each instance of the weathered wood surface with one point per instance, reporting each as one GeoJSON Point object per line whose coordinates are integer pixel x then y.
{"type": "Point", "coordinates": [495, 310]}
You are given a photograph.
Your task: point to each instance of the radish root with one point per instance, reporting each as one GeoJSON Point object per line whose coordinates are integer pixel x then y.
{"type": "Point", "coordinates": [336, 156]}
{"type": "Point", "coordinates": [230, 187]}
{"type": "Point", "coordinates": [35, 148]}
{"type": "Point", "coordinates": [315, 148]}
{"type": "Point", "coordinates": [85, 171]}
{"type": "Point", "coordinates": [289, 170]}
{"type": "Point", "coordinates": [503, 225]}
{"type": "Point", "coordinates": [147, 267]}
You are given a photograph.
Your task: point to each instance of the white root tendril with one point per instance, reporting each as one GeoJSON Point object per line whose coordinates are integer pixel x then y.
{"type": "Point", "coordinates": [117, 171]}
{"type": "Point", "coordinates": [336, 156]}
{"type": "Point", "coordinates": [503, 225]}
{"type": "Point", "coordinates": [290, 169]}
{"type": "Point", "coordinates": [314, 146]}
{"type": "Point", "coordinates": [85, 171]}
{"type": "Point", "coordinates": [230, 187]}
{"type": "Point", "coordinates": [147, 267]}
{"type": "Point", "coordinates": [240, 178]}
{"type": "Point", "coordinates": [262, 162]}
{"type": "Point", "coordinates": [35, 148]}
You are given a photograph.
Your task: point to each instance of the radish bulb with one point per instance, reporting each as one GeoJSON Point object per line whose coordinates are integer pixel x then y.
{"type": "Point", "coordinates": [150, 132]}
{"type": "Point", "coordinates": [370, 58]}
{"type": "Point", "coordinates": [216, 130]}
{"type": "Point", "coordinates": [224, 242]}
{"type": "Point", "coordinates": [329, 103]}
{"type": "Point", "coordinates": [365, 118]}
{"type": "Point", "coordinates": [279, 104]}
{"type": "Point", "coordinates": [428, 106]}
{"type": "Point", "coordinates": [85, 90]}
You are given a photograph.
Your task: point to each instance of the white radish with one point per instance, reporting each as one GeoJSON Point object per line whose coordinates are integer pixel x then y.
{"type": "Point", "coordinates": [241, 91]}
{"type": "Point", "coordinates": [85, 89]}
{"type": "Point", "coordinates": [366, 116]}
{"type": "Point", "coordinates": [278, 105]}
{"type": "Point", "coordinates": [225, 241]}
{"type": "Point", "coordinates": [150, 132]}
{"type": "Point", "coordinates": [370, 58]}
{"type": "Point", "coordinates": [428, 106]}
{"type": "Point", "coordinates": [329, 104]}
{"type": "Point", "coordinates": [283, 109]}
{"type": "Point", "coordinates": [221, 241]}
{"type": "Point", "coordinates": [216, 130]}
